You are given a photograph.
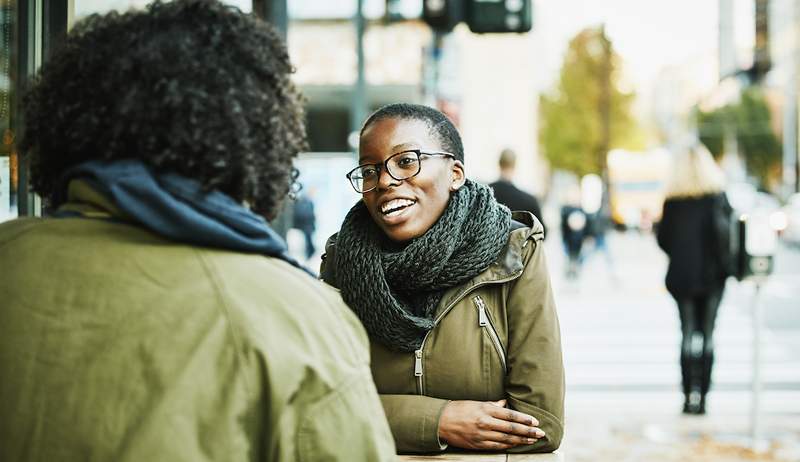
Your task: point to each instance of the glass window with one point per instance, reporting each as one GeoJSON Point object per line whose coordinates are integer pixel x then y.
{"type": "Point", "coordinates": [87, 7]}
{"type": "Point", "coordinates": [8, 154]}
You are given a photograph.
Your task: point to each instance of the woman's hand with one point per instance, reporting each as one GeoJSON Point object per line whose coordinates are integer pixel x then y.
{"type": "Point", "coordinates": [486, 425]}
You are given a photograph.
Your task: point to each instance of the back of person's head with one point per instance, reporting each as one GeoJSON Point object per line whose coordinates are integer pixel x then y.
{"type": "Point", "coordinates": [194, 87]}
{"type": "Point", "coordinates": [508, 159]}
{"type": "Point", "coordinates": [694, 173]}
{"type": "Point", "coordinates": [440, 126]}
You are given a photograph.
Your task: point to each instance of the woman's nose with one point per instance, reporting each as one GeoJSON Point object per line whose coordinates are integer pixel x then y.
{"type": "Point", "coordinates": [386, 180]}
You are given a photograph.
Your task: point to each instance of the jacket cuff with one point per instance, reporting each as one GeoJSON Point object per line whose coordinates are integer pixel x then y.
{"type": "Point", "coordinates": [414, 421]}
{"type": "Point", "coordinates": [550, 424]}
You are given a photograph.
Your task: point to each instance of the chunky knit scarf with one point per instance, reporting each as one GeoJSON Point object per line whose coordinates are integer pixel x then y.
{"type": "Point", "coordinates": [395, 293]}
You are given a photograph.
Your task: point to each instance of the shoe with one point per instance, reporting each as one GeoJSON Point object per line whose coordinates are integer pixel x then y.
{"type": "Point", "coordinates": [694, 404]}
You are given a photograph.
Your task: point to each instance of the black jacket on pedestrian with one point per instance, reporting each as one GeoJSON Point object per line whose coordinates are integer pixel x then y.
{"type": "Point", "coordinates": [517, 200]}
{"type": "Point", "coordinates": [691, 238]}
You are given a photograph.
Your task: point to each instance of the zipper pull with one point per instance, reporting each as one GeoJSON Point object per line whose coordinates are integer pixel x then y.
{"type": "Point", "coordinates": [483, 320]}
{"type": "Point", "coordinates": [418, 363]}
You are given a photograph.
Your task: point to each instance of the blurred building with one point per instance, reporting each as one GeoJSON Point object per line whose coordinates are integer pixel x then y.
{"type": "Point", "coordinates": [485, 83]}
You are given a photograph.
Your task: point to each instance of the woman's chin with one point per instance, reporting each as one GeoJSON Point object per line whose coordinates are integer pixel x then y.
{"type": "Point", "coordinates": [402, 232]}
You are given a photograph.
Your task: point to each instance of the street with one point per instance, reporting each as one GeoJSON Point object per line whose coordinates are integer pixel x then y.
{"type": "Point", "coordinates": [620, 334]}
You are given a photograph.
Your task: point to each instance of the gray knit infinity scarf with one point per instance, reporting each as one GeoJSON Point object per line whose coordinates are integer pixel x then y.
{"type": "Point", "coordinates": [395, 293]}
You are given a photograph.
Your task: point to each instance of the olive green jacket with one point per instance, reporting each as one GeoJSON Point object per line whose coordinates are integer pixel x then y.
{"type": "Point", "coordinates": [116, 344]}
{"type": "Point", "coordinates": [495, 337]}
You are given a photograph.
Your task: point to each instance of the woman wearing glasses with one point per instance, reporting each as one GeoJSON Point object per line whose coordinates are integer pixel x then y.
{"type": "Point", "coordinates": [453, 290]}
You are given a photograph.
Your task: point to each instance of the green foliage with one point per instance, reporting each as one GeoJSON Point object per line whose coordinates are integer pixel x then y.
{"type": "Point", "coordinates": [571, 131]}
{"type": "Point", "coordinates": [750, 120]}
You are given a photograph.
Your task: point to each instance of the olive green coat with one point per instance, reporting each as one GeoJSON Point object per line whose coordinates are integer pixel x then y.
{"type": "Point", "coordinates": [495, 337]}
{"type": "Point", "coordinates": [116, 344]}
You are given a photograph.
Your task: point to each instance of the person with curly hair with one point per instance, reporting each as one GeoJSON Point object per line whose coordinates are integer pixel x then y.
{"type": "Point", "coordinates": [453, 290]}
{"type": "Point", "coordinates": [155, 315]}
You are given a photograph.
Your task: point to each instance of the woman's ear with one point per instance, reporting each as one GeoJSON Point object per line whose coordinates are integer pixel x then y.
{"type": "Point", "coordinates": [458, 177]}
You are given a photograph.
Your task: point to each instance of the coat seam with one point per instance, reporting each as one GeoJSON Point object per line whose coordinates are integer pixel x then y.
{"type": "Point", "coordinates": [238, 344]}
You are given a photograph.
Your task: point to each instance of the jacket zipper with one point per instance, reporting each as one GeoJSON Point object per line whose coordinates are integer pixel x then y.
{"type": "Point", "coordinates": [418, 371]}
{"type": "Point", "coordinates": [486, 322]}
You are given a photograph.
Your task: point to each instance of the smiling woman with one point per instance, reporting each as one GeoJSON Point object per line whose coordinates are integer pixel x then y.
{"type": "Point", "coordinates": [453, 290]}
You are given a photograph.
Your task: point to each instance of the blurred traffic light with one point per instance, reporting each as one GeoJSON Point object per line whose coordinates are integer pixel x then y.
{"type": "Point", "coordinates": [499, 15]}
{"type": "Point", "coordinates": [481, 16]}
{"type": "Point", "coordinates": [443, 15]}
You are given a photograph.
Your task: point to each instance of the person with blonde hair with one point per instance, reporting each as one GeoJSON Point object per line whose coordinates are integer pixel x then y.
{"type": "Point", "coordinates": [694, 234]}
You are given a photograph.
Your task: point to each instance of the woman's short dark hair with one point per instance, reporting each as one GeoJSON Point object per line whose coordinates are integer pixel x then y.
{"type": "Point", "coordinates": [190, 86]}
{"type": "Point", "coordinates": [440, 126]}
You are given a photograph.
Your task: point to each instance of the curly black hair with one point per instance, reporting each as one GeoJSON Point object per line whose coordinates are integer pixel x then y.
{"type": "Point", "coordinates": [440, 126]}
{"type": "Point", "coordinates": [189, 86]}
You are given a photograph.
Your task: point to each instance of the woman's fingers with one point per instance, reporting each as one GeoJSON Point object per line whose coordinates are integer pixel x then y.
{"type": "Point", "coordinates": [511, 415]}
{"type": "Point", "coordinates": [494, 437]}
{"type": "Point", "coordinates": [513, 428]}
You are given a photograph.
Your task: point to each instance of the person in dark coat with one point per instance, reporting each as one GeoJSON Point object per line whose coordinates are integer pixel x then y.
{"type": "Point", "coordinates": [305, 220]}
{"type": "Point", "coordinates": [509, 195]}
{"type": "Point", "coordinates": [574, 230]}
{"type": "Point", "coordinates": [696, 243]}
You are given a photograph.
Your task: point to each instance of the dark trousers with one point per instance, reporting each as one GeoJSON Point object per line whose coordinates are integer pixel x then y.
{"type": "Point", "coordinates": [308, 234]}
{"type": "Point", "coordinates": [698, 315]}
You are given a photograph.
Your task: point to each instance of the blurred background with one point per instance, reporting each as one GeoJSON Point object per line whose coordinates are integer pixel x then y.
{"type": "Point", "coordinates": [594, 97]}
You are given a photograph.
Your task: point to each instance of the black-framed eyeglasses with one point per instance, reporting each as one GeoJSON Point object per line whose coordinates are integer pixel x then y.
{"type": "Point", "coordinates": [400, 166]}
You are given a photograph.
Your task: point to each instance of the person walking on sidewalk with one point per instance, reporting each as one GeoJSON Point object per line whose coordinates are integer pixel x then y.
{"type": "Point", "coordinates": [509, 195]}
{"type": "Point", "coordinates": [453, 290]}
{"type": "Point", "coordinates": [156, 315]}
{"type": "Point", "coordinates": [694, 234]}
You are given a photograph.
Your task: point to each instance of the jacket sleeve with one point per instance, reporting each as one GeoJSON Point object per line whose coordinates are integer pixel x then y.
{"type": "Point", "coordinates": [345, 425]}
{"type": "Point", "coordinates": [535, 378]}
{"type": "Point", "coordinates": [414, 420]}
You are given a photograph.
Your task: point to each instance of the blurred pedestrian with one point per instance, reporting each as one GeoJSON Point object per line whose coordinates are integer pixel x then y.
{"type": "Point", "coordinates": [304, 219]}
{"type": "Point", "coordinates": [157, 316]}
{"type": "Point", "coordinates": [509, 195]}
{"type": "Point", "coordinates": [574, 230]}
{"type": "Point", "coordinates": [453, 290]}
{"type": "Point", "coordinates": [694, 234]}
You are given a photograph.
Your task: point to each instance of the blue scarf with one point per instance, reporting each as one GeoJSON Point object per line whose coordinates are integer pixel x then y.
{"type": "Point", "coordinates": [176, 207]}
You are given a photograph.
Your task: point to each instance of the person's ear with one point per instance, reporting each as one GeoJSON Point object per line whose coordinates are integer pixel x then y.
{"type": "Point", "coordinates": [458, 177]}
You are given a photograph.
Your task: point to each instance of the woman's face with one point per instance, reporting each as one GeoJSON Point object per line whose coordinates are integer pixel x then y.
{"type": "Point", "coordinates": [405, 209]}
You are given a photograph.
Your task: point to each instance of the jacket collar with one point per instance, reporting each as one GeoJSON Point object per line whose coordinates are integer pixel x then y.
{"type": "Point", "coordinates": [173, 206]}
{"type": "Point", "coordinates": [509, 264]}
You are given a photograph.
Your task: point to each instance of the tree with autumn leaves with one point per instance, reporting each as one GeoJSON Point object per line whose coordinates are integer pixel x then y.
{"type": "Point", "coordinates": [588, 113]}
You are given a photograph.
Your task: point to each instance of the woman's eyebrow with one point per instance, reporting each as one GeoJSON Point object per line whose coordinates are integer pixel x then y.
{"type": "Point", "coordinates": [400, 147]}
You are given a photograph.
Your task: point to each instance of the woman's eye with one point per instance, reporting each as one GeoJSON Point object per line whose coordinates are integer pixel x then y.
{"type": "Point", "coordinates": [407, 161]}
{"type": "Point", "coordinates": [368, 172]}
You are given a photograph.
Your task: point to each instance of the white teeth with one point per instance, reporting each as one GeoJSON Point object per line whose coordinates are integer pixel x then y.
{"type": "Point", "coordinates": [395, 204]}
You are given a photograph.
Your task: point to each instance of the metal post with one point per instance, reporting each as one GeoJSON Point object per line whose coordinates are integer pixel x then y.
{"type": "Point", "coordinates": [790, 109]}
{"type": "Point", "coordinates": [755, 410]}
{"type": "Point", "coordinates": [273, 12]}
{"type": "Point", "coordinates": [30, 58]}
{"type": "Point", "coordinates": [358, 109]}
{"type": "Point", "coordinates": [276, 13]}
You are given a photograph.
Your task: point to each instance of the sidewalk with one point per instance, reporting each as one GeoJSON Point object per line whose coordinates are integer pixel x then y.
{"type": "Point", "coordinates": [621, 348]}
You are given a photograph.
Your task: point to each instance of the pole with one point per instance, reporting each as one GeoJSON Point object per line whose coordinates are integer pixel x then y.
{"type": "Point", "coordinates": [605, 116]}
{"type": "Point", "coordinates": [790, 110]}
{"type": "Point", "coordinates": [755, 410]}
{"type": "Point", "coordinates": [358, 110]}
{"type": "Point", "coordinates": [275, 13]}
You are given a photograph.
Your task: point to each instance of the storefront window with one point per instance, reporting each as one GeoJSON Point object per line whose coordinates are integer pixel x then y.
{"type": "Point", "coordinates": [8, 154]}
{"type": "Point", "coordinates": [87, 7]}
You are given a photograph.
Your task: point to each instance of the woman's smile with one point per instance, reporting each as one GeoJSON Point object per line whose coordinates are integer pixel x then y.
{"type": "Point", "coordinates": [395, 211]}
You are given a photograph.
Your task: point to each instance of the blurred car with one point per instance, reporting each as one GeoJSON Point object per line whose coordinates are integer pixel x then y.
{"type": "Point", "coordinates": [791, 220]}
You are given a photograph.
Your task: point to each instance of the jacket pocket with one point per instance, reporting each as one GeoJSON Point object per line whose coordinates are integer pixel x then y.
{"type": "Point", "coordinates": [485, 322]}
